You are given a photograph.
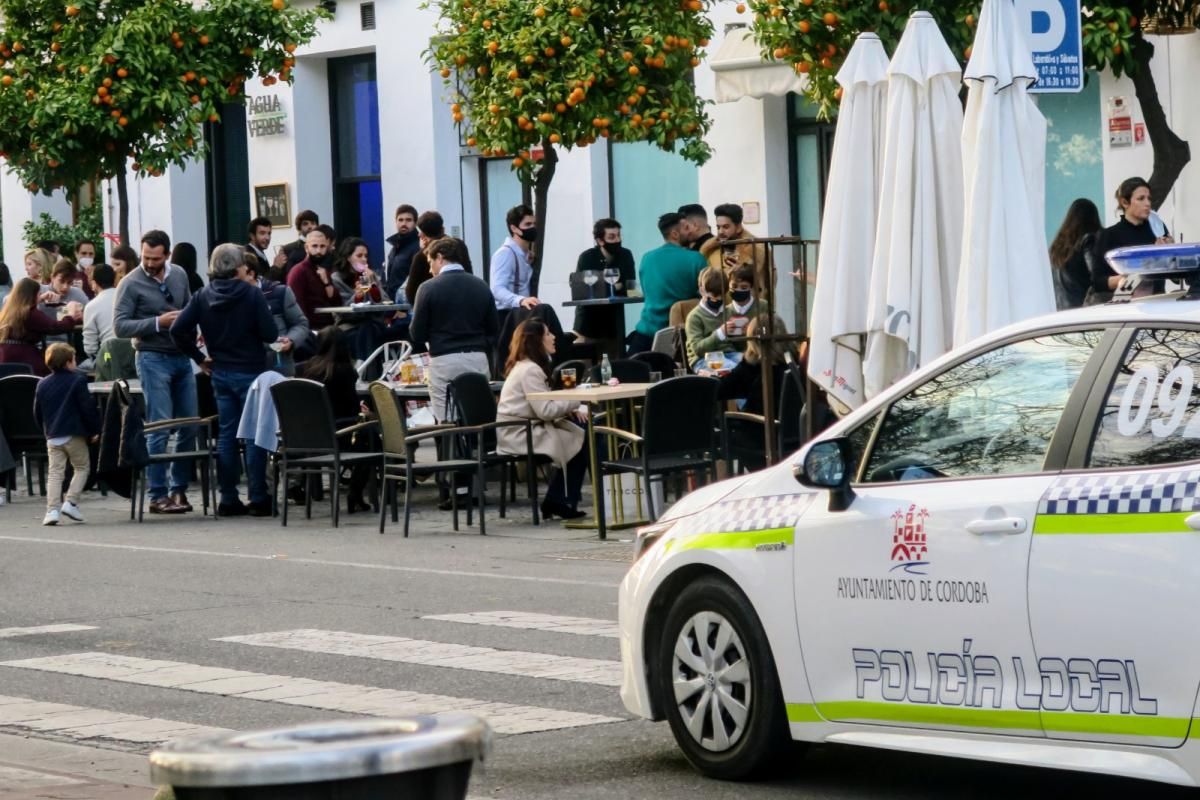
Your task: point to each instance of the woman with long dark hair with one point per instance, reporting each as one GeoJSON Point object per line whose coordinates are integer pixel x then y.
{"type": "Point", "coordinates": [1133, 228]}
{"type": "Point", "coordinates": [184, 255]}
{"type": "Point", "coordinates": [23, 327]}
{"type": "Point", "coordinates": [1071, 251]}
{"type": "Point", "coordinates": [333, 366]}
{"type": "Point", "coordinates": [555, 435]}
{"type": "Point", "coordinates": [352, 275]}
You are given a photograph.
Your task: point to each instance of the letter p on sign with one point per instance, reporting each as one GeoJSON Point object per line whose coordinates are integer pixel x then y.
{"type": "Point", "coordinates": [1047, 23]}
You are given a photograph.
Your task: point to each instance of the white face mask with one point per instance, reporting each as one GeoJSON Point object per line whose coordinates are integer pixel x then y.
{"type": "Point", "coordinates": [85, 261]}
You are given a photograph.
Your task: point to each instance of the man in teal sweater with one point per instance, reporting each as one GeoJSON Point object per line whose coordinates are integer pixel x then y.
{"type": "Point", "coordinates": [668, 274]}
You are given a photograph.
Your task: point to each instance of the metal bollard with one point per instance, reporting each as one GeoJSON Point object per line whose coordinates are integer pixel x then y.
{"type": "Point", "coordinates": [413, 757]}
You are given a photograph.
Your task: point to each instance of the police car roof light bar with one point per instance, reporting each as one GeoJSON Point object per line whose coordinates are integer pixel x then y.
{"type": "Point", "coordinates": [1177, 262]}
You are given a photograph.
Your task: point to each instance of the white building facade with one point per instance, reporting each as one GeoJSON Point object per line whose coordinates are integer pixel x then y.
{"type": "Point", "coordinates": [366, 126]}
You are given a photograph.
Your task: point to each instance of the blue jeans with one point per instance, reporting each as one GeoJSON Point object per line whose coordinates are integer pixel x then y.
{"type": "Point", "coordinates": [169, 389]}
{"type": "Point", "coordinates": [230, 389]}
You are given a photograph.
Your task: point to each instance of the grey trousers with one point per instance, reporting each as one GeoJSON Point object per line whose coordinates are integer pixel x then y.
{"type": "Point", "coordinates": [444, 369]}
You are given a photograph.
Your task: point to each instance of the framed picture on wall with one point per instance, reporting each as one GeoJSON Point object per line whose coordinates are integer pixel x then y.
{"type": "Point", "coordinates": [271, 201]}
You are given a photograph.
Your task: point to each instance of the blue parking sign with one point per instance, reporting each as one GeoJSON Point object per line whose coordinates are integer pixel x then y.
{"type": "Point", "coordinates": [1054, 29]}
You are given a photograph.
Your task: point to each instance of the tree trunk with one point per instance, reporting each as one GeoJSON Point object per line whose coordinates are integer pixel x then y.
{"type": "Point", "coordinates": [122, 205]}
{"type": "Point", "coordinates": [541, 190]}
{"type": "Point", "coordinates": [1171, 154]}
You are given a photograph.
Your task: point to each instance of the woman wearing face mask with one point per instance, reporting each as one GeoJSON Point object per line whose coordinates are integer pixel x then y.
{"type": "Point", "coordinates": [1133, 228]}
{"type": "Point", "coordinates": [352, 275]}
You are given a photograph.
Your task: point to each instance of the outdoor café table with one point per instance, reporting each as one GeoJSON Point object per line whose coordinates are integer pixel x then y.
{"type": "Point", "coordinates": [594, 396]}
{"type": "Point", "coordinates": [364, 310]}
{"type": "Point", "coordinates": [414, 391]}
{"type": "Point", "coordinates": [105, 387]}
{"type": "Point", "coordinates": [604, 301]}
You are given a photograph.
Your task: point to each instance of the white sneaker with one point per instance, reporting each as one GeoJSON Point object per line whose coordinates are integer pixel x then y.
{"type": "Point", "coordinates": [71, 511]}
{"type": "Point", "coordinates": [51, 517]}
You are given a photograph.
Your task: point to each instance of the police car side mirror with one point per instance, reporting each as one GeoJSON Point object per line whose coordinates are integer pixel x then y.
{"type": "Point", "coordinates": [826, 467]}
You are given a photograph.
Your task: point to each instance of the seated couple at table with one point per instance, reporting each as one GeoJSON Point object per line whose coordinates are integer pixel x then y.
{"type": "Point", "coordinates": [23, 327]}
{"type": "Point", "coordinates": [556, 423]}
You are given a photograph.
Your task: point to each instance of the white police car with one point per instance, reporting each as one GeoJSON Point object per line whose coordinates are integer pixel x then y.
{"type": "Point", "coordinates": [997, 559]}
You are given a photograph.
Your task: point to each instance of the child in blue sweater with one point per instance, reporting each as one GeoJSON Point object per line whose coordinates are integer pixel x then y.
{"type": "Point", "coordinates": [68, 415]}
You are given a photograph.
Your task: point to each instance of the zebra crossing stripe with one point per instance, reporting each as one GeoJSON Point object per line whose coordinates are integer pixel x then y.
{"type": "Point", "coordinates": [582, 626]}
{"type": "Point", "coordinates": [325, 695]}
{"type": "Point", "coordinates": [12, 633]}
{"type": "Point", "coordinates": [440, 654]}
{"type": "Point", "coordinates": [84, 724]}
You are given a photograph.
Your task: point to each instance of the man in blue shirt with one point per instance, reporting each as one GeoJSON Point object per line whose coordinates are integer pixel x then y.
{"type": "Point", "coordinates": [668, 274]}
{"type": "Point", "coordinates": [512, 268]}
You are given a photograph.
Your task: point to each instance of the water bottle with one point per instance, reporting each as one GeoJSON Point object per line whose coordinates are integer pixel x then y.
{"type": "Point", "coordinates": [605, 369]}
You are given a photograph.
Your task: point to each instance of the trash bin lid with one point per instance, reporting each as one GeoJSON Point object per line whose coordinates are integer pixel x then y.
{"type": "Point", "coordinates": [322, 752]}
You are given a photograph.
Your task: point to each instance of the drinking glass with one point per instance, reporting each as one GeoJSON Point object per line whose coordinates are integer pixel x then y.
{"type": "Point", "coordinates": [611, 276]}
{"type": "Point", "coordinates": [568, 378]}
{"type": "Point", "coordinates": [278, 348]}
{"type": "Point", "coordinates": [680, 372]}
{"type": "Point", "coordinates": [633, 289]}
{"type": "Point", "coordinates": [590, 278]}
{"type": "Point", "coordinates": [715, 360]}
{"type": "Point", "coordinates": [655, 377]}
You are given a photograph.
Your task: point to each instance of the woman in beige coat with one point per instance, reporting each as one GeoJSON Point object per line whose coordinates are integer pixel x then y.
{"type": "Point", "coordinates": [555, 433]}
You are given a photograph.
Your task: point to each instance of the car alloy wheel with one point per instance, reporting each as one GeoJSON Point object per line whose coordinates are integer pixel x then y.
{"type": "Point", "coordinates": [712, 681]}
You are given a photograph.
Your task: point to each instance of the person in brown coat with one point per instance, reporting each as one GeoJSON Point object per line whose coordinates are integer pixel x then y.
{"type": "Point", "coordinates": [555, 435]}
{"type": "Point", "coordinates": [729, 256]}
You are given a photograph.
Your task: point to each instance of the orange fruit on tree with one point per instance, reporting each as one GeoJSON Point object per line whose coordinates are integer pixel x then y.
{"type": "Point", "coordinates": [576, 11]}
{"type": "Point", "coordinates": [72, 11]}
{"type": "Point", "coordinates": [628, 56]}
{"type": "Point", "coordinates": [695, 5]}
{"type": "Point", "coordinates": [529, 59]}
{"type": "Point", "coordinates": [1116, 49]}
{"type": "Point", "coordinates": [565, 41]}
{"type": "Point", "coordinates": [804, 67]}
{"type": "Point", "coordinates": [633, 70]}
{"type": "Point", "coordinates": [213, 118]}
{"type": "Point", "coordinates": [204, 40]}
{"type": "Point", "coordinates": [539, 12]}
{"type": "Point", "coordinates": [492, 47]}
{"type": "Point", "coordinates": [555, 138]}
{"type": "Point", "coordinates": [883, 6]}
{"type": "Point", "coordinates": [83, 69]}
{"type": "Point", "coordinates": [122, 121]}
{"type": "Point", "coordinates": [513, 74]}
{"type": "Point", "coordinates": [803, 26]}
{"type": "Point", "coordinates": [517, 91]}
{"type": "Point", "coordinates": [470, 141]}
{"type": "Point", "coordinates": [642, 90]}
{"type": "Point", "coordinates": [102, 91]}
{"type": "Point", "coordinates": [106, 82]}
{"type": "Point", "coordinates": [277, 5]}
{"type": "Point", "coordinates": [776, 12]}
{"type": "Point", "coordinates": [549, 52]}
{"type": "Point", "coordinates": [741, 8]}
{"type": "Point", "coordinates": [970, 20]}
{"type": "Point", "coordinates": [54, 48]}
{"type": "Point", "coordinates": [830, 18]}
{"type": "Point", "coordinates": [203, 81]}
{"type": "Point", "coordinates": [695, 62]}
{"type": "Point", "coordinates": [445, 73]}
{"type": "Point", "coordinates": [493, 108]}
{"type": "Point", "coordinates": [560, 107]}
{"type": "Point", "coordinates": [826, 62]}
{"type": "Point", "coordinates": [546, 117]}
{"type": "Point", "coordinates": [487, 24]}
{"type": "Point", "coordinates": [518, 162]}
{"type": "Point", "coordinates": [195, 99]}
{"type": "Point", "coordinates": [647, 40]}
{"type": "Point", "coordinates": [457, 116]}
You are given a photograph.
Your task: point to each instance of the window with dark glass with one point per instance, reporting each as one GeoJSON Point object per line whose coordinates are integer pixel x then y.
{"type": "Point", "coordinates": [992, 415]}
{"type": "Point", "coordinates": [1152, 415]}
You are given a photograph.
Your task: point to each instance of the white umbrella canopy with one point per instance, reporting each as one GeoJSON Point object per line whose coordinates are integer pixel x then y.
{"type": "Point", "coordinates": [839, 316]}
{"type": "Point", "coordinates": [1004, 272]}
{"type": "Point", "coordinates": [918, 239]}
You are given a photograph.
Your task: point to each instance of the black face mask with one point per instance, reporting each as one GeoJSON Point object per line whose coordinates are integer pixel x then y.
{"type": "Point", "coordinates": [320, 261]}
{"type": "Point", "coordinates": [528, 234]}
{"type": "Point", "coordinates": [713, 305]}
{"type": "Point", "coordinates": [740, 296]}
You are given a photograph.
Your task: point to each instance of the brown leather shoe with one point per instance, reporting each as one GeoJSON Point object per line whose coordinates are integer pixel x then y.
{"type": "Point", "coordinates": [165, 505]}
{"type": "Point", "coordinates": [180, 499]}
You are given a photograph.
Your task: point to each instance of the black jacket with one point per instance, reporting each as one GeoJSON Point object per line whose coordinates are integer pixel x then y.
{"type": "Point", "coordinates": [236, 322]}
{"type": "Point", "coordinates": [1122, 234]}
{"type": "Point", "coordinates": [604, 322]}
{"type": "Point", "coordinates": [454, 313]}
{"type": "Point", "coordinates": [123, 440]}
{"type": "Point", "coordinates": [404, 247]}
{"type": "Point", "coordinates": [63, 407]}
{"type": "Point", "coordinates": [1072, 279]}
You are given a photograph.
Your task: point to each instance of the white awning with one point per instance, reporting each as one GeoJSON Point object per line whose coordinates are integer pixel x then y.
{"type": "Point", "coordinates": [741, 71]}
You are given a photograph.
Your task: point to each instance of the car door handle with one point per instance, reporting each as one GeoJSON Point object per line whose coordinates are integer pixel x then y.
{"type": "Point", "coordinates": [1193, 522]}
{"type": "Point", "coordinates": [1009, 525]}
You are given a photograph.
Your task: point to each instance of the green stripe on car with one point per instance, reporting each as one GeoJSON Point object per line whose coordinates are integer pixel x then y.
{"type": "Point", "coordinates": [741, 540]}
{"type": "Point", "coordinates": [1098, 524]}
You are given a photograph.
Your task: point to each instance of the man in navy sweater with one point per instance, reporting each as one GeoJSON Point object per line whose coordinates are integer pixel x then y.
{"type": "Point", "coordinates": [236, 322]}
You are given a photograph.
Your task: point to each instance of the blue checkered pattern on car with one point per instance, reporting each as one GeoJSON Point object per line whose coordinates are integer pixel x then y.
{"type": "Point", "coordinates": [748, 514]}
{"type": "Point", "coordinates": [1140, 493]}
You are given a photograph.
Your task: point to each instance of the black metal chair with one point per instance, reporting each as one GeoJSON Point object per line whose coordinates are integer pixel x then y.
{"type": "Point", "coordinates": [204, 455]}
{"type": "Point", "coordinates": [625, 370]}
{"type": "Point", "coordinates": [676, 436]}
{"type": "Point", "coordinates": [582, 369]}
{"type": "Point", "coordinates": [309, 441]}
{"type": "Point", "coordinates": [15, 369]}
{"type": "Point", "coordinates": [476, 403]}
{"type": "Point", "coordinates": [399, 456]}
{"type": "Point", "coordinates": [661, 363]}
{"type": "Point", "coordinates": [26, 440]}
{"type": "Point", "coordinates": [743, 434]}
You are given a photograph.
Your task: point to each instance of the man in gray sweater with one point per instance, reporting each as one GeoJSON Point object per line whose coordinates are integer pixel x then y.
{"type": "Point", "coordinates": [148, 301]}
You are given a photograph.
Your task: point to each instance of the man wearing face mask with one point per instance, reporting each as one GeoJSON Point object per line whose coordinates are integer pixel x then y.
{"type": "Point", "coordinates": [605, 322]}
{"type": "Point", "coordinates": [512, 267]}
{"type": "Point", "coordinates": [85, 258]}
{"type": "Point", "coordinates": [310, 281]}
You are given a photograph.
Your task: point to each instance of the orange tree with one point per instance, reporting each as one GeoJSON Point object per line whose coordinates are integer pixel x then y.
{"type": "Point", "coordinates": [530, 76]}
{"type": "Point", "coordinates": [814, 36]}
{"type": "Point", "coordinates": [88, 85]}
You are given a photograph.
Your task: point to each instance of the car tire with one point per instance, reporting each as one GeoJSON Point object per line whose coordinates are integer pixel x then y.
{"type": "Point", "coordinates": [724, 706]}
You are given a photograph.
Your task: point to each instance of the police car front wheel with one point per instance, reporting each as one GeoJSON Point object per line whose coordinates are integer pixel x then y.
{"type": "Point", "coordinates": [718, 683]}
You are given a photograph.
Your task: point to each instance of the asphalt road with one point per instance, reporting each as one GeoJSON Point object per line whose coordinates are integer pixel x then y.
{"type": "Point", "coordinates": [171, 589]}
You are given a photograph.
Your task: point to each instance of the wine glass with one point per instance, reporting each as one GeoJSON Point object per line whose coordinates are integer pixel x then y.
{"type": "Point", "coordinates": [590, 278]}
{"type": "Point", "coordinates": [611, 276]}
